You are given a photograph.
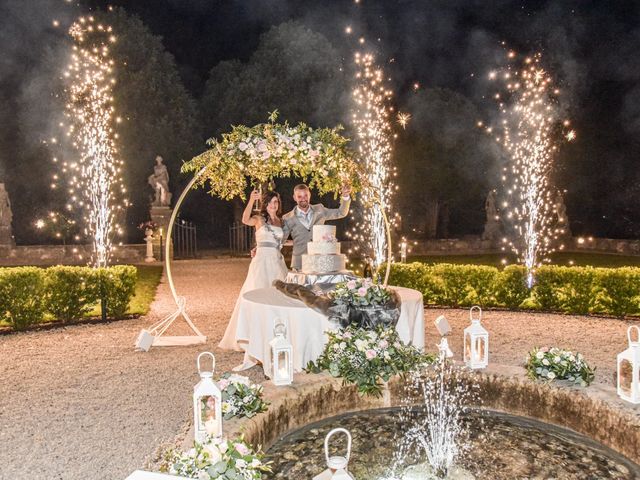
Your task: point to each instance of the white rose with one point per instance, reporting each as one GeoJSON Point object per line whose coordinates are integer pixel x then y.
{"type": "Point", "coordinates": [240, 463]}
{"type": "Point", "coordinates": [551, 375]}
{"type": "Point", "coordinates": [361, 345]}
{"type": "Point", "coordinates": [539, 355]}
{"type": "Point", "coordinates": [556, 359]}
{"type": "Point", "coordinates": [214, 453]}
{"type": "Point", "coordinates": [545, 362]}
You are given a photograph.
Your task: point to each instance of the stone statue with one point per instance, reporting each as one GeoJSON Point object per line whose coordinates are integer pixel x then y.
{"type": "Point", "coordinates": [159, 181]}
{"type": "Point", "coordinates": [6, 216]}
{"type": "Point", "coordinates": [492, 222]}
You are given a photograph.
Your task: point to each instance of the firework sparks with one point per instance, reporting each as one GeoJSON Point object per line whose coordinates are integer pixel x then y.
{"type": "Point", "coordinates": [403, 119]}
{"type": "Point", "coordinates": [529, 130]}
{"type": "Point", "coordinates": [371, 118]}
{"type": "Point", "coordinates": [94, 178]}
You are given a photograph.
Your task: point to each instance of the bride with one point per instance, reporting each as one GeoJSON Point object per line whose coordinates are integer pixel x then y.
{"type": "Point", "coordinates": [267, 265]}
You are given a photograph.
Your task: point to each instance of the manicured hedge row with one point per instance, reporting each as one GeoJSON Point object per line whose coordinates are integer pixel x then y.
{"type": "Point", "coordinates": [612, 291]}
{"type": "Point", "coordinates": [30, 294]}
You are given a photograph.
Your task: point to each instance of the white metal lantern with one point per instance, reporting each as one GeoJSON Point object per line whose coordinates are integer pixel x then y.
{"type": "Point", "coordinates": [629, 369]}
{"type": "Point", "coordinates": [281, 356]}
{"type": "Point", "coordinates": [337, 465]}
{"type": "Point", "coordinates": [207, 404]}
{"type": "Point", "coordinates": [476, 342]}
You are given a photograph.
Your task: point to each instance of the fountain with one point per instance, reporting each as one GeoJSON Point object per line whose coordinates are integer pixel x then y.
{"type": "Point", "coordinates": [436, 434]}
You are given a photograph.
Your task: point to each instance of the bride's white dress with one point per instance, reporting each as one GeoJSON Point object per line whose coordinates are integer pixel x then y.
{"type": "Point", "coordinates": [267, 266]}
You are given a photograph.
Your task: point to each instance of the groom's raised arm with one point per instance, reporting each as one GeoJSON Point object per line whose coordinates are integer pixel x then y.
{"type": "Point", "coordinates": [340, 212]}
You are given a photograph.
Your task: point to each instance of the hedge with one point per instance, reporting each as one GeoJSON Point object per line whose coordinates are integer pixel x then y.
{"type": "Point", "coordinates": [29, 295]}
{"type": "Point", "coordinates": [577, 290]}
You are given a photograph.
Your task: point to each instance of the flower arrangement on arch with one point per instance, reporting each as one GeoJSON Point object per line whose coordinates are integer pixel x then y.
{"type": "Point", "coordinates": [556, 364]}
{"type": "Point", "coordinates": [217, 459]}
{"type": "Point", "coordinates": [240, 397]}
{"type": "Point", "coordinates": [270, 150]}
{"type": "Point", "coordinates": [361, 292]}
{"type": "Point", "coordinates": [367, 357]}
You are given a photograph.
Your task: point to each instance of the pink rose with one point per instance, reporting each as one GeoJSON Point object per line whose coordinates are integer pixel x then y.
{"type": "Point", "coordinates": [370, 354]}
{"type": "Point", "coordinates": [383, 344]}
{"type": "Point", "coordinates": [362, 291]}
{"type": "Point", "coordinates": [347, 335]}
{"type": "Point", "coordinates": [223, 383]}
{"type": "Point", "coordinates": [351, 284]}
{"type": "Point", "coordinates": [241, 448]}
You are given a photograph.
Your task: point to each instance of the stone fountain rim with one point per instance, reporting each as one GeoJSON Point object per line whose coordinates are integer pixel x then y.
{"type": "Point", "coordinates": [315, 397]}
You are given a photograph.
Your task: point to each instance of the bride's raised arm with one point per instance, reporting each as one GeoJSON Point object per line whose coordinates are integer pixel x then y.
{"type": "Point", "coordinates": [247, 218]}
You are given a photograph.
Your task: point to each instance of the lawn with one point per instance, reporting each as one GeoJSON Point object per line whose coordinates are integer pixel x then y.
{"type": "Point", "coordinates": [558, 258]}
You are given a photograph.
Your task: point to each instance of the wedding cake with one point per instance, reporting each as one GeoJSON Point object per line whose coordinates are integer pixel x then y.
{"type": "Point", "coordinates": [323, 253]}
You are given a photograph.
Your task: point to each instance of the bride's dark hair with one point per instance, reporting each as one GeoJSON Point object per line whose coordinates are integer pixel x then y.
{"type": "Point", "coordinates": [266, 199]}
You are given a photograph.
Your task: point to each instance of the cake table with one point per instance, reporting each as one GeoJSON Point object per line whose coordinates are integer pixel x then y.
{"type": "Point", "coordinates": [261, 309]}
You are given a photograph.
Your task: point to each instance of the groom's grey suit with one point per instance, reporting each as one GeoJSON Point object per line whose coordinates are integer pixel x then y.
{"type": "Point", "coordinates": [301, 234]}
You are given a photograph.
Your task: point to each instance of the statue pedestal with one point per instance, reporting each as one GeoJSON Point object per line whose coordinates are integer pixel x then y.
{"type": "Point", "coordinates": [161, 217]}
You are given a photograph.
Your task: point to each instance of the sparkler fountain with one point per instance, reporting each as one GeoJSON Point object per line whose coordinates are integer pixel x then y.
{"type": "Point", "coordinates": [530, 125]}
{"type": "Point", "coordinates": [95, 176]}
{"type": "Point", "coordinates": [371, 119]}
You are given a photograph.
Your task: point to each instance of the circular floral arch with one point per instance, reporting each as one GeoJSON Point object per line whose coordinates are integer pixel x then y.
{"type": "Point", "coordinates": [271, 150]}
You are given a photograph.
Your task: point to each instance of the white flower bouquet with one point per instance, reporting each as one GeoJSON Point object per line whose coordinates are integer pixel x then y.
{"type": "Point", "coordinates": [557, 364]}
{"type": "Point", "coordinates": [361, 292]}
{"type": "Point", "coordinates": [365, 357]}
{"type": "Point", "coordinates": [220, 459]}
{"type": "Point", "coordinates": [240, 397]}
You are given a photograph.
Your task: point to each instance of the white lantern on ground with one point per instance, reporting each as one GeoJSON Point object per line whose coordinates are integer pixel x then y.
{"type": "Point", "coordinates": [281, 356]}
{"type": "Point", "coordinates": [207, 404]}
{"type": "Point", "coordinates": [476, 341]}
{"type": "Point", "coordinates": [337, 465]}
{"type": "Point", "coordinates": [629, 369]}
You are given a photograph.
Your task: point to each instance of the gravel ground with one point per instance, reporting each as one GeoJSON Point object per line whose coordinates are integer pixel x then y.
{"type": "Point", "coordinates": [80, 403]}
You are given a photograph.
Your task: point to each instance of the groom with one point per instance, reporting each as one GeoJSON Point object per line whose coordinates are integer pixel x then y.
{"type": "Point", "coordinates": [299, 222]}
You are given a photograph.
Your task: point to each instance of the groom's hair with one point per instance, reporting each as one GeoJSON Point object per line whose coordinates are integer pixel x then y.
{"type": "Point", "coordinates": [300, 186]}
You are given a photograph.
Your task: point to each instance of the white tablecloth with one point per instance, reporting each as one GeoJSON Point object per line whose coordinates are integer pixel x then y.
{"type": "Point", "coordinates": [260, 310]}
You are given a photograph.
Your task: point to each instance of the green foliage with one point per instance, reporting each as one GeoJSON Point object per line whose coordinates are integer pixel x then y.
{"type": "Point", "coordinates": [577, 290]}
{"type": "Point", "coordinates": [555, 364]}
{"type": "Point", "coordinates": [70, 291]}
{"type": "Point", "coordinates": [511, 286]}
{"type": "Point", "coordinates": [365, 357]}
{"type": "Point", "coordinates": [22, 296]}
{"type": "Point", "coordinates": [28, 294]}
{"type": "Point", "coordinates": [116, 285]}
{"type": "Point", "coordinates": [618, 291]}
{"type": "Point", "coordinates": [269, 150]}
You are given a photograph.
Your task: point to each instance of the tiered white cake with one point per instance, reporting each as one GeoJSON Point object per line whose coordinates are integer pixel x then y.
{"type": "Point", "coordinates": [323, 252]}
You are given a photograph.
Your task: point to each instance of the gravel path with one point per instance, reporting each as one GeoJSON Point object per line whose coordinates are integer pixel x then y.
{"type": "Point", "coordinates": [79, 400]}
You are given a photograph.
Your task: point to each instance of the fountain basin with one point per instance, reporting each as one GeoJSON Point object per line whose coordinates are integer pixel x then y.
{"type": "Point", "coordinates": [595, 412]}
{"type": "Point", "coordinates": [500, 446]}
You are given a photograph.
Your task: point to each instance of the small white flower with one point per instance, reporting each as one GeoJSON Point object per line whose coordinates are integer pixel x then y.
{"type": "Point", "coordinates": [545, 362]}
{"type": "Point", "coordinates": [240, 463]}
{"type": "Point", "coordinates": [539, 355]}
{"type": "Point", "coordinates": [556, 359]}
{"type": "Point", "coordinates": [551, 375]}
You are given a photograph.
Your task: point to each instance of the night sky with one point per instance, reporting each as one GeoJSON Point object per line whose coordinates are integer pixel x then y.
{"type": "Point", "coordinates": [590, 46]}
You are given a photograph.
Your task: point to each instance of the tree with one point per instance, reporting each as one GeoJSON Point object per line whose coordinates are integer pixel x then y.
{"type": "Point", "coordinates": [446, 165]}
{"type": "Point", "coordinates": [294, 70]}
{"type": "Point", "coordinates": [159, 117]}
